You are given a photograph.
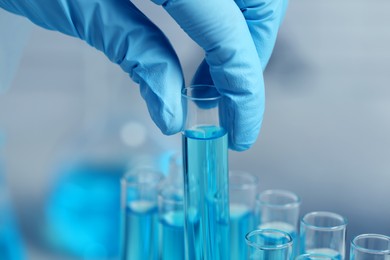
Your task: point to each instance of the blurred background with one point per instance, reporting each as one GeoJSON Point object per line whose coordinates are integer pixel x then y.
{"type": "Point", "coordinates": [72, 122]}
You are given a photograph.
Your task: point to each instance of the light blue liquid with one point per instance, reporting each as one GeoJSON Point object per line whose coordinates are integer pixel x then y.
{"type": "Point", "coordinates": [172, 236]}
{"type": "Point", "coordinates": [141, 231]}
{"type": "Point", "coordinates": [286, 227]}
{"type": "Point", "coordinates": [241, 222]}
{"type": "Point", "coordinates": [206, 193]}
{"type": "Point", "coordinates": [326, 251]}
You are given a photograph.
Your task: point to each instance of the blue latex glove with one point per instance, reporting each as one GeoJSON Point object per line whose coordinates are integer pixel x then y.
{"type": "Point", "coordinates": [238, 38]}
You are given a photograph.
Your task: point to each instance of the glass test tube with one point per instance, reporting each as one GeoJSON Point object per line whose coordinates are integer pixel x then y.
{"type": "Point", "coordinates": [370, 247]}
{"type": "Point", "coordinates": [269, 244]}
{"type": "Point", "coordinates": [279, 209]}
{"type": "Point", "coordinates": [205, 168]}
{"type": "Point", "coordinates": [323, 233]}
{"type": "Point", "coordinates": [242, 195]}
{"type": "Point", "coordinates": [171, 218]}
{"type": "Point", "coordinates": [139, 239]}
{"type": "Point", "coordinates": [171, 213]}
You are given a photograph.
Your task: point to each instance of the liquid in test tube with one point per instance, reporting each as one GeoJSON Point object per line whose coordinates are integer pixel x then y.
{"type": "Point", "coordinates": [172, 235]}
{"type": "Point", "coordinates": [208, 217]}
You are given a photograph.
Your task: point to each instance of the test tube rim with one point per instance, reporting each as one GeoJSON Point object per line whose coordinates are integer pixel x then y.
{"type": "Point", "coordinates": [295, 203]}
{"type": "Point", "coordinates": [246, 186]}
{"type": "Point", "coordinates": [371, 251]}
{"type": "Point", "coordinates": [328, 213]}
{"type": "Point", "coordinates": [185, 94]}
{"type": "Point", "coordinates": [276, 247]}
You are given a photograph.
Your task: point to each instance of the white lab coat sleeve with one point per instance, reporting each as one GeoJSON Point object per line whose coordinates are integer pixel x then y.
{"type": "Point", "coordinates": [14, 32]}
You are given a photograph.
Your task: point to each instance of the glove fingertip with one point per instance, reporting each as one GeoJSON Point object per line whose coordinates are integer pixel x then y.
{"type": "Point", "coordinates": [240, 147]}
{"type": "Point", "coordinates": [241, 144]}
{"type": "Point", "coordinates": [169, 127]}
{"type": "Point", "coordinates": [166, 121]}
{"type": "Point", "coordinates": [168, 117]}
{"type": "Point", "coordinates": [242, 118]}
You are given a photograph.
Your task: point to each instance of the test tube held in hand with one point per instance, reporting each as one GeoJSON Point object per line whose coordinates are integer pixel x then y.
{"type": "Point", "coordinates": [205, 167]}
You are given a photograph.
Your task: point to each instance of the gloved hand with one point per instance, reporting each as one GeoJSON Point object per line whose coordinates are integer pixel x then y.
{"type": "Point", "coordinates": [237, 36]}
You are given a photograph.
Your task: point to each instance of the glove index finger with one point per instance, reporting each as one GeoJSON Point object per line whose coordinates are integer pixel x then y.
{"type": "Point", "coordinates": [219, 27]}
